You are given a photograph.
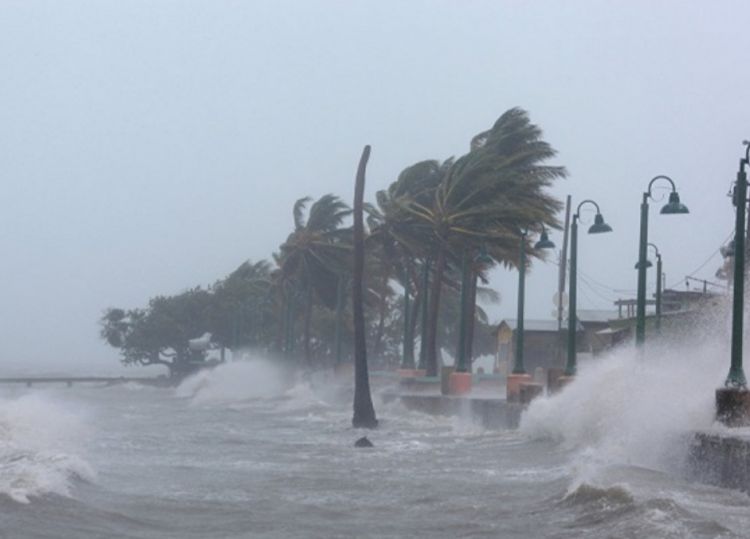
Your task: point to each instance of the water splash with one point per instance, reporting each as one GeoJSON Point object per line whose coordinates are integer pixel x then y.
{"type": "Point", "coordinates": [39, 452]}
{"type": "Point", "coordinates": [234, 382]}
{"type": "Point", "coordinates": [624, 409]}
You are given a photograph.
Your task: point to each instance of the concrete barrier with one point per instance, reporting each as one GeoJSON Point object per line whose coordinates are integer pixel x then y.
{"type": "Point", "coordinates": [459, 383]}
{"type": "Point", "coordinates": [420, 383]}
{"type": "Point", "coordinates": [493, 414]}
{"type": "Point", "coordinates": [529, 391]}
{"type": "Point", "coordinates": [514, 381]}
{"type": "Point", "coordinates": [720, 459]}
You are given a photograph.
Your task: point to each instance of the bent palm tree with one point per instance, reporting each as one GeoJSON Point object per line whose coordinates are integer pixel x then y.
{"type": "Point", "coordinates": [487, 197]}
{"type": "Point", "coordinates": [312, 257]}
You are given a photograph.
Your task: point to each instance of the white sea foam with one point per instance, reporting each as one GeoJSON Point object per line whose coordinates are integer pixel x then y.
{"type": "Point", "coordinates": [626, 409]}
{"type": "Point", "coordinates": [39, 447]}
{"type": "Point", "coordinates": [235, 381]}
{"type": "Point", "coordinates": [302, 396]}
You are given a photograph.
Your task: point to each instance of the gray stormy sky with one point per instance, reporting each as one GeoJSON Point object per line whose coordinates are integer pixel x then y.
{"type": "Point", "coordinates": [150, 146]}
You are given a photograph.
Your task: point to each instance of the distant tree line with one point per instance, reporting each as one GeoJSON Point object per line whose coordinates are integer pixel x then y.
{"type": "Point", "coordinates": [424, 231]}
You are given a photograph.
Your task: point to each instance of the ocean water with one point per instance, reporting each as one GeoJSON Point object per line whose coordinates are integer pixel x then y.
{"type": "Point", "coordinates": [242, 452]}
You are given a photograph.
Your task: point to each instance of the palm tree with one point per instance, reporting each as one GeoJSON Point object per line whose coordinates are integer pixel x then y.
{"type": "Point", "coordinates": [487, 196]}
{"type": "Point", "coordinates": [312, 257]}
{"type": "Point", "coordinates": [397, 244]}
{"type": "Point", "coordinates": [364, 412]}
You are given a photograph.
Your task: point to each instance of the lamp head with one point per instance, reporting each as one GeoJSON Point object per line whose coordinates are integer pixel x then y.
{"type": "Point", "coordinates": [599, 225]}
{"type": "Point", "coordinates": [483, 257]}
{"type": "Point", "coordinates": [648, 264]}
{"type": "Point", "coordinates": [544, 242]}
{"type": "Point", "coordinates": [727, 250]}
{"type": "Point", "coordinates": [674, 206]}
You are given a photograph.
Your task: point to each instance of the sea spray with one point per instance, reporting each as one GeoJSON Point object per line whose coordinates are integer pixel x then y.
{"type": "Point", "coordinates": [40, 450]}
{"type": "Point", "coordinates": [235, 381]}
{"type": "Point", "coordinates": [624, 409]}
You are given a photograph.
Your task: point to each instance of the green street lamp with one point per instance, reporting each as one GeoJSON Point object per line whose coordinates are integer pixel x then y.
{"type": "Point", "coordinates": [543, 243]}
{"type": "Point", "coordinates": [673, 207]}
{"type": "Point", "coordinates": [736, 377]}
{"type": "Point", "coordinates": [599, 227]}
{"type": "Point", "coordinates": [481, 258]}
{"type": "Point", "coordinates": [659, 277]}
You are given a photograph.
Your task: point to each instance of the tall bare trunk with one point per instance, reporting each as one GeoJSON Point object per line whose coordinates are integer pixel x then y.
{"type": "Point", "coordinates": [364, 412]}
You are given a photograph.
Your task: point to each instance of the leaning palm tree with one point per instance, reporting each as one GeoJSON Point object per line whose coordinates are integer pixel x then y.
{"type": "Point", "coordinates": [488, 196]}
{"type": "Point", "coordinates": [314, 255]}
{"type": "Point", "coordinates": [397, 244]}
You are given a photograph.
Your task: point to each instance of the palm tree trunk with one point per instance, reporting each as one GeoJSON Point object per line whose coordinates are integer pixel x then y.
{"type": "Point", "coordinates": [281, 327]}
{"type": "Point", "coordinates": [471, 320]}
{"type": "Point", "coordinates": [308, 316]}
{"type": "Point", "coordinates": [424, 315]}
{"type": "Point", "coordinates": [339, 318]}
{"type": "Point", "coordinates": [415, 304]}
{"type": "Point", "coordinates": [364, 412]}
{"type": "Point", "coordinates": [290, 335]}
{"type": "Point", "coordinates": [434, 311]}
{"type": "Point", "coordinates": [416, 307]}
{"type": "Point", "coordinates": [382, 307]}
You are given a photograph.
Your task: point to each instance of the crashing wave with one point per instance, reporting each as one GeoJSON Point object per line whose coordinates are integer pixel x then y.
{"type": "Point", "coordinates": [38, 448]}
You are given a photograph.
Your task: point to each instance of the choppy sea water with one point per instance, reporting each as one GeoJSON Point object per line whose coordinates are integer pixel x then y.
{"type": "Point", "coordinates": [239, 453]}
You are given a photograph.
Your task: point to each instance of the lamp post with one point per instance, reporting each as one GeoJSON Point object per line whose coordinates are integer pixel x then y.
{"type": "Point", "coordinates": [598, 227]}
{"type": "Point", "coordinates": [659, 276]}
{"type": "Point", "coordinates": [518, 375]}
{"type": "Point", "coordinates": [673, 207]}
{"type": "Point", "coordinates": [543, 243]}
{"type": "Point", "coordinates": [733, 400]}
{"type": "Point", "coordinates": [736, 376]}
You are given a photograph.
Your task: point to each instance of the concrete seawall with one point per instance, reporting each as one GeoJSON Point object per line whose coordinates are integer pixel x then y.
{"type": "Point", "coordinates": [721, 459]}
{"type": "Point", "coordinates": [715, 458]}
{"type": "Point", "coordinates": [489, 413]}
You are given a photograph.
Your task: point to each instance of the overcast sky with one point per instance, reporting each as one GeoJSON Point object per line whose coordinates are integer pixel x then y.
{"type": "Point", "coordinates": [151, 146]}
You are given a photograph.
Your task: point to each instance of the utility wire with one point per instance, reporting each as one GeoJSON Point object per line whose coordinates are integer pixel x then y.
{"type": "Point", "coordinates": [705, 262]}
